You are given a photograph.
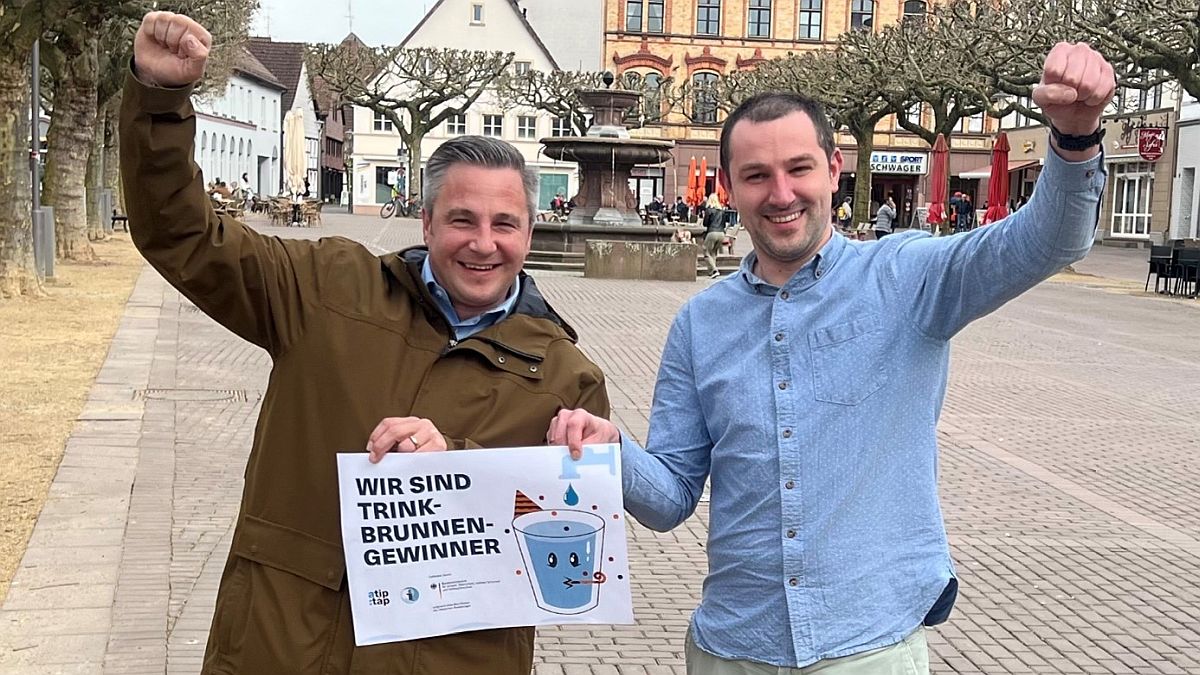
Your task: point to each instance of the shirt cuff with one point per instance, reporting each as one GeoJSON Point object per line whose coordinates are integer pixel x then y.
{"type": "Point", "coordinates": [1086, 176]}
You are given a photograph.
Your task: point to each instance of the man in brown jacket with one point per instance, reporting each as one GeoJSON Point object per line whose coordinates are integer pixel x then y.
{"type": "Point", "coordinates": [452, 347]}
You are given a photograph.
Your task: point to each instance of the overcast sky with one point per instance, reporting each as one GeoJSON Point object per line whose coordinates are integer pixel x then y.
{"type": "Point", "coordinates": [377, 22]}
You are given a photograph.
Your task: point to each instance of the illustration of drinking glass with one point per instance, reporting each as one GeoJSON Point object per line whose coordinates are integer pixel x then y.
{"type": "Point", "coordinates": [563, 552]}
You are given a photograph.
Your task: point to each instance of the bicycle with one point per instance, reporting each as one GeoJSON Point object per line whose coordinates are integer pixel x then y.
{"type": "Point", "coordinates": [407, 208]}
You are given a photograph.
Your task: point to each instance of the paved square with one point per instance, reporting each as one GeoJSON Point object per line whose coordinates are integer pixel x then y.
{"type": "Point", "coordinates": [1070, 465]}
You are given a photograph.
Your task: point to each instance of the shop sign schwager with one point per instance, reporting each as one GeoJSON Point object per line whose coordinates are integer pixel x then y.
{"type": "Point", "coordinates": [899, 162]}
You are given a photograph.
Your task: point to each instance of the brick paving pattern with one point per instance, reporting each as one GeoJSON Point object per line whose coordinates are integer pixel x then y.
{"type": "Point", "coordinates": [1069, 463]}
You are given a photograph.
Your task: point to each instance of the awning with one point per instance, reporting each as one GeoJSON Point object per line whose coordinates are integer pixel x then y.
{"type": "Point", "coordinates": [986, 170]}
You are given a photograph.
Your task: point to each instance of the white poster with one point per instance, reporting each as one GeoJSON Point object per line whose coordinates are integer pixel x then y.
{"type": "Point", "coordinates": [446, 542]}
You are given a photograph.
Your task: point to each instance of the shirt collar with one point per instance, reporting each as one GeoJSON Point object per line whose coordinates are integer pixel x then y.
{"type": "Point", "coordinates": [812, 270]}
{"type": "Point", "coordinates": [446, 306]}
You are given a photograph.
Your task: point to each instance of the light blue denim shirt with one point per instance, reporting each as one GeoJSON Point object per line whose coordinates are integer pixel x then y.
{"type": "Point", "coordinates": [814, 406]}
{"type": "Point", "coordinates": [465, 328]}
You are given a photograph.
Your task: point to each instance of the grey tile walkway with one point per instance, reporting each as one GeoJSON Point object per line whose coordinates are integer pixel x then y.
{"type": "Point", "coordinates": [1070, 475]}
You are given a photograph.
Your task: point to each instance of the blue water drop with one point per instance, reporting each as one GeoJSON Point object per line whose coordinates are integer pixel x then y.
{"type": "Point", "coordinates": [571, 498]}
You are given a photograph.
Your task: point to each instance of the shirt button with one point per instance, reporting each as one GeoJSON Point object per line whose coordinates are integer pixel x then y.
{"type": "Point", "coordinates": [787, 433]}
{"type": "Point", "coordinates": [779, 337]}
{"type": "Point", "coordinates": [782, 386]}
{"type": "Point", "coordinates": [789, 485]}
{"type": "Point", "coordinates": [784, 295]}
{"type": "Point", "coordinates": [499, 359]}
{"type": "Point", "coordinates": [791, 534]}
{"type": "Point", "coordinates": [793, 581]}
{"type": "Point", "coordinates": [1090, 174]}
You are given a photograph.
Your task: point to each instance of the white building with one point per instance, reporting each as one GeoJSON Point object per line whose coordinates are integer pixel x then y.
{"type": "Point", "coordinates": [484, 25]}
{"type": "Point", "coordinates": [285, 60]}
{"type": "Point", "coordinates": [238, 132]}
{"type": "Point", "coordinates": [1185, 208]}
{"type": "Point", "coordinates": [576, 40]}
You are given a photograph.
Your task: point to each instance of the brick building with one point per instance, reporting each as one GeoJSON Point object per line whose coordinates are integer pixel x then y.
{"type": "Point", "coordinates": [698, 40]}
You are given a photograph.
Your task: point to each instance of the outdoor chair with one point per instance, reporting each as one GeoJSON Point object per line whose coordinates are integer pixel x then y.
{"type": "Point", "coordinates": [279, 212]}
{"type": "Point", "coordinates": [1187, 265]}
{"type": "Point", "coordinates": [310, 213]}
{"type": "Point", "coordinates": [1161, 261]}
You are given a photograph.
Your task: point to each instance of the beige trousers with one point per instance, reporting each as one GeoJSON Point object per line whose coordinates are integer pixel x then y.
{"type": "Point", "coordinates": [909, 657]}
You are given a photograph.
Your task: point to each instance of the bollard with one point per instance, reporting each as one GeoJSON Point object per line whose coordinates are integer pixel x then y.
{"type": "Point", "coordinates": [43, 241]}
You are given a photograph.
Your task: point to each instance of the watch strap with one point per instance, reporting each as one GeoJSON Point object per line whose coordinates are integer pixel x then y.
{"type": "Point", "coordinates": [1074, 142]}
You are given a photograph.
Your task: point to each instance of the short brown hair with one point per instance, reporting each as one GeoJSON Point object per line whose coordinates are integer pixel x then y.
{"type": "Point", "coordinates": [772, 106]}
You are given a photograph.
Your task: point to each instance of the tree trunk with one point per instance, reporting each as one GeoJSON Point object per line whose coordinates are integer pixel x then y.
{"type": "Point", "coordinates": [864, 144]}
{"type": "Point", "coordinates": [112, 167]}
{"type": "Point", "coordinates": [93, 186]}
{"type": "Point", "coordinates": [69, 140]}
{"type": "Point", "coordinates": [18, 275]}
{"type": "Point", "coordinates": [414, 163]}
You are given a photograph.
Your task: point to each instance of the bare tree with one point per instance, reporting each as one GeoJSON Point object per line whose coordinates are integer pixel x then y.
{"type": "Point", "coordinates": [555, 92]}
{"type": "Point", "coordinates": [1149, 37]}
{"type": "Point", "coordinates": [414, 89]}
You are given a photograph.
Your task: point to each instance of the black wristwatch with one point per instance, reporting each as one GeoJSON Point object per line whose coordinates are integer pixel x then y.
{"type": "Point", "coordinates": [1076, 143]}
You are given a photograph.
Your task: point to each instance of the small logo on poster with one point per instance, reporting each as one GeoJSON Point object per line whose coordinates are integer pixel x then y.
{"type": "Point", "coordinates": [410, 595]}
{"type": "Point", "coordinates": [378, 598]}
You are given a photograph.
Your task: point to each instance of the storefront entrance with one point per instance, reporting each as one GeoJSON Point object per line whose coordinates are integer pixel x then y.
{"type": "Point", "coordinates": [899, 188]}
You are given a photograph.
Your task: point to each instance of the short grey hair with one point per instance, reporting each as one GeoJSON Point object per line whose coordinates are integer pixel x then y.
{"type": "Point", "coordinates": [483, 151]}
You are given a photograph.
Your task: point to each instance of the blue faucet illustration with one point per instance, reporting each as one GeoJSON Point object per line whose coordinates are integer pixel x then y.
{"type": "Point", "coordinates": [590, 457]}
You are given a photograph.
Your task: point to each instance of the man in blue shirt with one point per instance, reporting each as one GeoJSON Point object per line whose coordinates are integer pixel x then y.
{"type": "Point", "coordinates": [827, 550]}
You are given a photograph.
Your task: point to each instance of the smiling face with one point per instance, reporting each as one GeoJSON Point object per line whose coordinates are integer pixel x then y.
{"type": "Point", "coordinates": [478, 235]}
{"type": "Point", "coordinates": [781, 181]}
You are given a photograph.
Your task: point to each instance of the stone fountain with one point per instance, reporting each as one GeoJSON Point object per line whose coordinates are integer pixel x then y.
{"type": "Point", "coordinates": [605, 207]}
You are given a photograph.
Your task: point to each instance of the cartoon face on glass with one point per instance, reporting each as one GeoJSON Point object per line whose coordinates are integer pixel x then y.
{"type": "Point", "coordinates": [562, 557]}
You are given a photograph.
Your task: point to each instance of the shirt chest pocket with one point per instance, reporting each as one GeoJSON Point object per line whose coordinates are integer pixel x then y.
{"type": "Point", "coordinates": [850, 361]}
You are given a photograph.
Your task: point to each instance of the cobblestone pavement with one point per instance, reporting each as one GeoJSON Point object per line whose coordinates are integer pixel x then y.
{"type": "Point", "coordinates": [1070, 484]}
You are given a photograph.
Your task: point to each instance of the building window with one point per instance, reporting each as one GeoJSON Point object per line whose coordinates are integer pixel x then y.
{"type": "Point", "coordinates": [708, 17]}
{"type": "Point", "coordinates": [862, 13]}
{"type": "Point", "coordinates": [809, 22]}
{"type": "Point", "coordinates": [561, 126]}
{"type": "Point", "coordinates": [652, 97]}
{"type": "Point", "coordinates": [477, 14]}
{"type": "Point", "coordinates": [972, 124]}
{"type": "Point", "coordinates": [914, 8]}
{"type": "Point", "coordinates": [381, 122]}
{"type": "Point", "coordinates": [654, 16]}
{"type": "Point", "coordinates": [913, 114]}
{"type": "Point", "coordinates": [493, 125]}
{"type": "Point", "coordinates": [456, 125]}
{"type": "Point", "coordinates": [522, 68]}
{"type": "Point", "coordinates": [526, 126]}
{"type": "Point", "coordinates": [1133, 188]}
{"type": "Point", "coordinates": [760, 19]}
{"type": "Point", "coordinates": [633, 16]}
{"type": "Point", "coordinates": [704, 104]}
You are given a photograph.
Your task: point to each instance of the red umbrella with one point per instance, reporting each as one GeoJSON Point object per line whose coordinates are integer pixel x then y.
{"type": "Point", "coordinates": [690, 195]}
{"type": "Point", "coordinates": [937, 178]}
{"type": "Point", "coordinates": [998, 181]}
{"type": "Point", "coordinates": [721, 193]}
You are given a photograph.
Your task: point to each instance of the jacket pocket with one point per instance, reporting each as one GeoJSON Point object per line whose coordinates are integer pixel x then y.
{"type": "Point", "coordinates": [290, 585]}
{"type": "Point", "coordinates": [849, 360]}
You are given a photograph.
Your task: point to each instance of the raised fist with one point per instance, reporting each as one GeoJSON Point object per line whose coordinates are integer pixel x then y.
{"type": "Point", "coordinates": [170, 50]}
{"type": "Point", "coordinates": [1077, 83]}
